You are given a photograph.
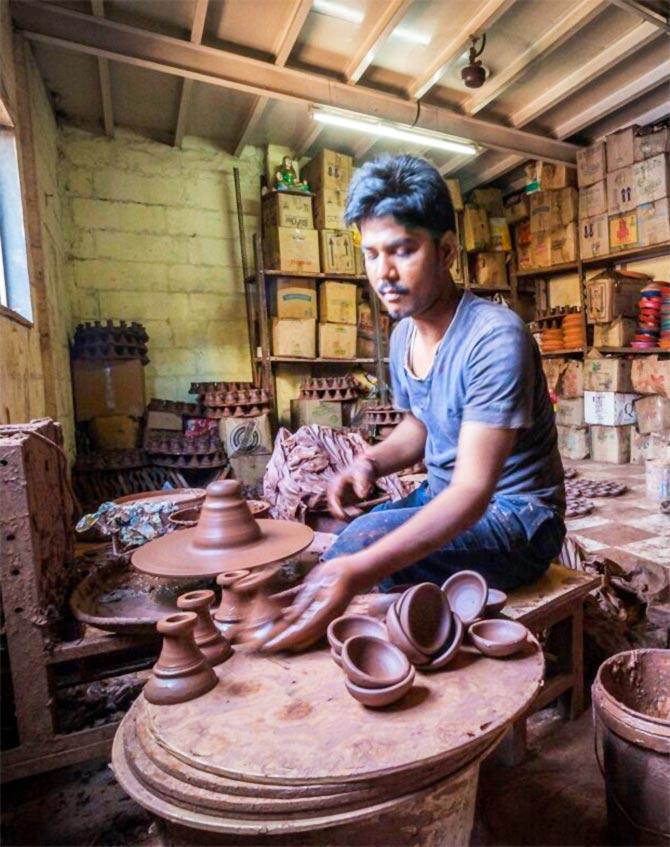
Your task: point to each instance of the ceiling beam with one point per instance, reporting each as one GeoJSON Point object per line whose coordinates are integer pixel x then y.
{"type": "Point", "coordinates": [105, 81]}
{"type": "Point", "coordinates": [364, 146]}
{"type": "Point", "coordinates": [285, 44]}
{"type": "Point", "coordinates": [489, 173]}
{"type": "Point", "coordinates": [311, 133]}
{"type": "Point", "coordinates": [375, 38]}
{"type": "Point", "coordinates": [142, 48]}
{"type": "Point", "coordinates": [455, 163]}
{"type": "Point", "coordinates": [644, 12]}
{"type": "Point", "coordinates": [484, 17]}
{"type": "Point", "coordinates": [197, 28]}
{"type": "Point", "coordinates": [586, 73]}
{"type": "Point", "coordinates": [543, 45]}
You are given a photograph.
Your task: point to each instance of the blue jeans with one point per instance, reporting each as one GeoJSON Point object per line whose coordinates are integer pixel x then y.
{"type": "Point", "coordinates": [511, 545]}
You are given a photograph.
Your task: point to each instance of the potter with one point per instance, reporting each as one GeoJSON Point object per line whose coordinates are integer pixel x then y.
{"type": "Point", "coordinates": [468, 375]}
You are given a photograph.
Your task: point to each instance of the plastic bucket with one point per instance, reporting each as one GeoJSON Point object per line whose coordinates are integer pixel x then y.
{"type": "Point", "coordinates": [631, 709]}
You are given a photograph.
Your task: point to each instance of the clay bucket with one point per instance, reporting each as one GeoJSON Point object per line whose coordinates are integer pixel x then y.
{"type": "Point", "coordinates": [631, 710]}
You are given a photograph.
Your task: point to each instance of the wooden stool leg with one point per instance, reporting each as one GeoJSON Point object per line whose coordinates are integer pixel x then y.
{"type": "Point", "coordinates": [577, 646]}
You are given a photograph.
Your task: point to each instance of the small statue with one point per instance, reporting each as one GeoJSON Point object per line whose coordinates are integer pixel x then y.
{"type": "Point", "coordinates": [286, 179]}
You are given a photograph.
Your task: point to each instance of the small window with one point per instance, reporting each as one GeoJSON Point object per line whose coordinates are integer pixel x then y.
{"type": "Point", "coordinates": [14, 277]}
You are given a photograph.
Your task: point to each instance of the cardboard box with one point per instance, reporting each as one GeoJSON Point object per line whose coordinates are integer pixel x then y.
{"type": "Point", "coordinates": [610, 444]}
{"type": "Point", "coordinates": [524, 257]}
{"type": "Point", "coordinates": [283, 209]}
{"type": "Point", "coordinates": [563, 207]}
{"type": "Point", "coordinates": [552, 369]}
{"type": "Point", "coordinates": [613, 294]}
{"type": "Point", "coordinates": [287, 249]}
{"type": "Point", "coordinates": [329, 206]}
{"type": "Point", "coordinates": [574, 442]}
{"type": "Point", "coordinates": [491, 270]}
{"type": "Point", "coordinates": [164, 420]}
{"type": "Point", "coordinates": [607, 374]}
{"type": "Point", "coordinates": [518, 210]}
{"type": "Point", "coordinates": [540, 212]}
{"type": "Point", "coordinates": [489, 199]}
{"type": "Point", "coordinates": [540, 249]}
{"type": "Point", "coordinates": [650, 446]}
{"type": "Point", "coordinates": [593, 200]}
{"type": "Point", "coordinates": [359, 258]}
{"type": "Point", "coordinates": [337, 251]}
{"type": "Point", "coordinates": [651, 178]}
{"type": "Point", "coordinates": [570, 412]}
{"type": "Point", "coordinates": [249, 470]}
{"type": "Point", "coordinates": [609, 408]}
{"type": "Point", "coordinates": [292, 337]}
{"type": "Point", "coordinates": [337, 341]}
{"type": "Point", "coordinates": [500, 236]}
{"type": "Point", "coordinates": [651, 375]}
{"type": "Point", "coordinates": [564, 244]}
{"type": "Point", "coordinates": [653, 222]}
{"type": "Point", "coordinates": [591, 164]}
{"type": "Point", "coordinates": [522, 233]}
{"type": "Point", "coordinates": [454, 187]}
{"type": "Point", "coordinates": [653, 413]}
{"type": "Point", "coordinates": [594, 237]}
{"type": "Point", "coordinates": [337, 302]}
{"type": "Point", "coordinates": [650, 141]}
{"type": "Point", "coordinates": [321, 412]}
{"type": "Point", "coordinates": [101, 388]}
{"type": "Point", "coordinates": [246, 436]}
{"type": "Point", "coordinates": [623, 231]}
{"type": "Point", "coordinates": [364, 318]}
{"type": "Point", "coordinates": [571, 382]}
{"type": "Point", "coordinates": [616, 333]}
{"type": "Point", "coordinates": [657, 480]}
{"type": "Point", "coordinates": [552, 176]}
{"type": "Point", "coordinates": [621, 193]}
{"type": "Point", "coordinates": [620, 148]}
{"type": "Point", "coordinates": [328, 169]}
{"type": "Point", "coordinates": [293, 298]}
{"type": "Point", "coordinates": [476, 226]}
{"type": "Point", "coordinates": [115, 432]}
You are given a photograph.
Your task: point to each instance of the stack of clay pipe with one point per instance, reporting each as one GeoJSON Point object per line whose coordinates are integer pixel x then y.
{"type": "Point", "coordinates": [174, 450]}
{"type": "Point", "coordinates": [336, 389]}
{"type": "Point", "coordinates": [235, 403]}
{"type": "Point", "coordinates": [110, 341]}
{"type": "Point", "coordinates": [176, 407]}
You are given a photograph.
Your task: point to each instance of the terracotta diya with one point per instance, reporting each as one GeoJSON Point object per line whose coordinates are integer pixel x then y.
{"type": "Point", "coordinates": [495, 601]}
{"type": "Point", "coordinates": [226, 536]}
{"type": "Point", "coordinates": [213, 646]}
{"type": "Point", "coordinates": [467, 593]}
{"type": "Point", "coordinates": [348, 626]}
{"type": "Point", "coordinates": [374, 663]}
{"type": "Point", "coordinates": [498, 638]}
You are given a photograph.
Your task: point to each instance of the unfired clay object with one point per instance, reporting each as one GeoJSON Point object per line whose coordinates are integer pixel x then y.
{"type": "Point", "coordinates": [225, 536]}
{"type": "Point", "coordinates": [181, 672]}
{"type": "Point", "coordinates": [495, 601]}
{"type": "Point", "coordinates": [348, 626]}
{"type": "Point", "coordinates": [498, 637]}
{"type": "Point", "coordinates": [467, 592]}
{"type": "Point", "coordinates": [425, 617]}
{"type": "Point", "coordinates": [229, 610]}
{"type": "Point", "coordinates": [214, 647]}
{"type": "Point", "coordinates": [398, 637]}
{"type": "Point", "coordinates": [373, 663]}
{"type": "Point", "coordinates": [450, 649]}
{"type": "Point", "coordinates": [376, 698]}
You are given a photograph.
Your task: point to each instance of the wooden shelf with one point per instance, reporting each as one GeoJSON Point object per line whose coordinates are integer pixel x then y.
{"type": "Point", "coordinates": [568, 267]}
{"type": "Point", "coordinates": [632, 350]}
{"type": "Point", "coordinates": [304, 275]}
{"type": "Point", "coordinates": [567, 352]}
{"type": "Point", "coordinates": [648, 252]}
{"type": "Point", "coordinates": [319, 360]}
{"type": "Point", "coordinates": [484, 289]}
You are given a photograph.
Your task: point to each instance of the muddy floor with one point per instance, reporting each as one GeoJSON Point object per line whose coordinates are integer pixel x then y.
{"type": "Point", "coordinates": [555, 797]}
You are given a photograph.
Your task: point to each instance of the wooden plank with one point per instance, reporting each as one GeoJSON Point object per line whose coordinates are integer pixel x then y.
{"type": "Point", "coordinates": [197, 28]}
{"type": "Point", "coordinates": [105, 81]}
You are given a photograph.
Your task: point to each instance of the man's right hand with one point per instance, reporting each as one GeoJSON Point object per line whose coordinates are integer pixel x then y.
{"type": "Point", "coordinates": [354, 483]}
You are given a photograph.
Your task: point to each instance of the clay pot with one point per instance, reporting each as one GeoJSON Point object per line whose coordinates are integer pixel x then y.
{"type": "Point", "coordinates": [425, 617]}
{"type": "Point", "coordinates": [181, 672]}
{"type": "Point", "coordinates": [349, 626]}
{"type": "Point", "coordinates": [467, 592]}
{"type": "Point", "coordinates": [225, 519]}
{"type": "Point", "coordinates": [498, 637]}
{"type": "Point", "coordinates": [376, 698]}
{"type": "Point", "coordinates": [184, 518]}
{"type": "Point", "coordinates": [373, 663]}
{"type": "Point", "coordinates": [214, 647]}
{"type": "Point", "coordinates": [230, 609]}
{"type": "Point", "coordinates": [442, 658]}
{"type": "Point", "coordinates": [495, 601]}
{"type": "Point", "coordinates": [397, 636]}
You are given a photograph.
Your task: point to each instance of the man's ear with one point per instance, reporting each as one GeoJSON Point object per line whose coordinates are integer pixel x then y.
{"type": "Point", "coordinates": [449, 245]}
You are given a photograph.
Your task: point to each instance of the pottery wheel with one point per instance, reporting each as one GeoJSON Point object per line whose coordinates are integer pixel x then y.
{"type": "Point", "coordinates": [279, 746]}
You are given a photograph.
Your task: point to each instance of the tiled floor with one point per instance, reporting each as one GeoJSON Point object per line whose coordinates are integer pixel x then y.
{"type": "Point", "coordinates": [630, 530]}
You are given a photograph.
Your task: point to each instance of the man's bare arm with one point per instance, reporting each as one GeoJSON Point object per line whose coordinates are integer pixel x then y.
{"type": "Point", "coordinates": [404, 447]}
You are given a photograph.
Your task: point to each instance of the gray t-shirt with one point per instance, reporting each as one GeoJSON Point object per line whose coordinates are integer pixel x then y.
{"type": "Point", "coordinates": [487, 368]}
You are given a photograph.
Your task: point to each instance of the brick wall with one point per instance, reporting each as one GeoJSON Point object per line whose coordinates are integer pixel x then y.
{"type": "Point", "coordinates": [151, 235]}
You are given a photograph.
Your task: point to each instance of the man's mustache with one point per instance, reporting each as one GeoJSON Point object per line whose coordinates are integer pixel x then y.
{"type": "Point", "coordinates": [392, 288]}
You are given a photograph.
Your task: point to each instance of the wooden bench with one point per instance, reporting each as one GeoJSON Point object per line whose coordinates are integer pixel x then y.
{"type": "Point", "coordinates": [556, 603]}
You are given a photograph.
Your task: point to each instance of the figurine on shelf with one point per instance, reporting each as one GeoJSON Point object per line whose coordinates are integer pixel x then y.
{"type": "Point", "coordinates": [286, 179]}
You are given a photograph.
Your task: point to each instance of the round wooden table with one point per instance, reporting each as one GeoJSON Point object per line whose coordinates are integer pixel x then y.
{"type": "Point", "coordinates": [279, 747]}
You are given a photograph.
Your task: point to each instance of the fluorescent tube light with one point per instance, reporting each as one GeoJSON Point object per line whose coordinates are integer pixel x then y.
{"type": "Point", "coordinates": [384, 130]}
{"type": "Point", "coordinates": [338, 10]}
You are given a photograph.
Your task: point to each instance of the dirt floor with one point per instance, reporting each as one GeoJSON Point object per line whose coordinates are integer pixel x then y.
{"type": "Point", "coordinates": [554, 797]}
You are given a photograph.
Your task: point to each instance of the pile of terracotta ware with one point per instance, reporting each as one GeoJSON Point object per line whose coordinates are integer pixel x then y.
{"type": "Point", "coordinates": [236, 403]}
{"type": "Point", "coordinates": [653, 317]}
{"type": "Point", "coordinates": [336, 389]}
{"type": "Point", "coordinates": [94, 485]}
{"type": "Point", "coordinates": [175, 450]}
{"type": "Point", "coordinates": [572, 327]}
{"type": "Point", "coordinates": [111, 460]}
{"type": "Point", "coordinates": [577, 492]}
{"type": "Point", "coordinates": [425, 628]}
{"type": "Point", "coordinates": [563, 329]}
{"type": "Point", "coordinates": [203, 387]}
{"type": "Point", "coordinates": [175, 407]}
{"type": "Point", "coordinates": [95, 340]}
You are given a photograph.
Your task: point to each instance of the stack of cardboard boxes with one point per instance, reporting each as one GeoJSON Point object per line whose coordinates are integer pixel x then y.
{"type": "Point", "coordinates": [611, 306]}
{"type": "Point", "coordinates": [650, 438]}
{"type": "Point", "coordinates": [565, 380]}
{"type": "Point", "coordinates": [552, 233]}
{"type": "Point", "coordinates": [624, 183]}
{"type": "Point", "coordinates": [486, 233]}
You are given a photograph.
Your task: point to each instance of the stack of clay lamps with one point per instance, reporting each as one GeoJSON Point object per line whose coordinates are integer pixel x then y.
{"type": "Point", "coordinates": [377, 672]}
{"type": "Point", "coordinates": [648, 331]}
{"type": "Point", "coordinates": [664, 341]}
{"type": "Point", "coordinates": [552, 337]}
{"type": "Point", "coordinates": [382, 415]}
{"type": "Point", "coordinates": [236, 403]}
{"type": "Point", "coordinates": [201, 388]}
{"type": "Point", "coordinates": [111, 460]}
{"type": "Point", "coordinates": [226, 537]}
{"type": "Point", "coordinates": [572, 327]}
{"type": "Point", "coordinates": [176, 407]}
{"type": "Point", "coordinates": [174, 450]}
{"type": "Point", "coordinates": [336, 389]}
{"type": "Point", "coordinates": [594, 488]}
{"type": "Point", "coordinates": [110, 341]}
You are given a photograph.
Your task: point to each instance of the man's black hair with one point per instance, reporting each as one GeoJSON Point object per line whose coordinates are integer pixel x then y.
{"type": "Point", "coordinates": [406, 187]}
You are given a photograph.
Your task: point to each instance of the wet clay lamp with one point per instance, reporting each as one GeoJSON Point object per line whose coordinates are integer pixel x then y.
{"type": "Point", "coordinates": [230, 611]}
{"type": "Point", "coordinates": [213, 646]}
{"type": "Point", "coordinates": [498, 638]}
{"type": "Point", "coordinates": [226, 536]}
{"type": "Point", "coordinates": [181, 672]}
{"type": "Point", "coordinates": [262, 609]}
{"type": "Point", "coordinates": [467, 593]}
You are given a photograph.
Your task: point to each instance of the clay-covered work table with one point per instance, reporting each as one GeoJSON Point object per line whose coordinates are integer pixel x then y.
{"type": "Point", "coordinates": [279, 747]}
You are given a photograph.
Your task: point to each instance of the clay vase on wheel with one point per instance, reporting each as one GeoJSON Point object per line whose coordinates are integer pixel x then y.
{"type": "Point", "coordinates": [211, 643]}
